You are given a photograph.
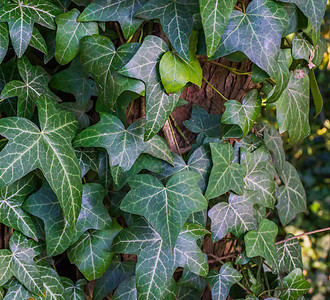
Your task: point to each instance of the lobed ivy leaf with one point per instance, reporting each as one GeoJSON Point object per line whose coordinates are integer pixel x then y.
{"type": "Point", "coordinates": [295, 285]}
{"type": "Point", "coordinates": [313, 9]}
{"type": "Point", "coordinates": [16, 291]}
{"type": "Point", "coordinates": [59, 234]}
{"type": "Point", "coordinates": [291, 198]}
{"type": "Point", "coordinates": [166, 208]}
{"type": "Point", "coordinates": [123, 145]}
{"type": "Point", "coordinates": [101, 60]}
{"type": "Point", "coordinates": [91, 253]}
{"type": "Point", "coordinates": [88, 159]}
{"type": "Point", "coordinates": [225, 175]}
{"type": "Point", "coordinates": [49, 149]}
{"type": "Point", "coordinates": [176, 18]}
{"type": "Point", "coordinates": [289, 255]}
{"type": "Point", "coordinates": [292, 108]}
{"type": "Point", "coordinates": [215, 15]}
{"type": "Point", "coordinates": [34, 85]}
{"type": "Point", "coordinates": [73, 291]}
{"type": "Point", "coordinates": [118, 10]}
{"type": "Point", "coordinates": [262, 242]}
{"type": "Point", "coordinates": [236, 216]}
{"type": "Point", "coordinates": [21, 16]}
{"type": "Point", "coordinates": [18, 262]}
{"type": "Point", "coordinates": [221, 282]}
{"type": "Point", "coordinates": [11, 200]}
{"type": "Point", "coordinates": [143, 66]}
{"type": "Point", "coordinates": [69, 33]}
{"type": "Point", "coordinates": [126, 290]}
{"type": "Point", "coordinates": [156, 262]}
{"type": "Point", "coordinates": [4, 41]}
{"type": "Point", "coordinates": [243, 114]}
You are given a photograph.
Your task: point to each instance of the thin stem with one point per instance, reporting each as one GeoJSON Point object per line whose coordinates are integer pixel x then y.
{"type": "Point", "coordinates": [179, 130]}
{"type": "Point", "coordinates": [129, 112]}
{"type": "Point", "coordinates": [233, 70]}
{"type": "Point", "coordinates": [303, 234]}
{"type": "Point", "coordinates": [215, 89]}
{"type": "Point", "coordinates": [174, 138]}
{"type": "Point", "coordinates": [119, 33]}
{"type": "Point", "coordinates": [271, 290]}
{"type": "Point", "coordinates": [243, 6]}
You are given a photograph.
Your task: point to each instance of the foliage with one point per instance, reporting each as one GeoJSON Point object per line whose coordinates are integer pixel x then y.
{"type": "Point", "coordinates": [84, 182]}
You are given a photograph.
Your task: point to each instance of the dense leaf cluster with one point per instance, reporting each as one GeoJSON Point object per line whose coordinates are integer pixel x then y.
{"type": "Point", "coordinates": [77, 180]}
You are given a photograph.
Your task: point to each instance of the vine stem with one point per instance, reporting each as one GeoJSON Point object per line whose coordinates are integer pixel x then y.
{"type": "Point", "coordinates": [303, 234]}
{"type": "Point", "coordinates": [174, 138]}
{"type": "Point", "coordinates": [215, 89]}
{"type": "Point", "coordinates": [271, 290]}
{"type": "Point", "coordinates": [233, 70]}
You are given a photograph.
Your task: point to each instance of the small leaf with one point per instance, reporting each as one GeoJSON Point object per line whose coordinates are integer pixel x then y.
{"type": "Point", "coordinates": [165, 208]}
{"type": "Point", "coordinates": [291, 197]}
{"type": "Point", "coordinates": [17, 291]}
{"type": "Point", "coordinates": [74, 291]}
{"type": "Point", "coordinates": [262, 242]}
{"type": "Point", "coordinates": [126, 290]}
{"type": "Point", "coordinates": [4, 41]}
{"type": "Point", "coordinates": [69, 33]}
{"type": "Point", "coordinates": [38, 42]}
{"type": "Point", "coordinates": [225, 175]}
{"type": "Point", "coordinates": [295, 284]}
{"type": "Point", "coordinates": [222, 281]}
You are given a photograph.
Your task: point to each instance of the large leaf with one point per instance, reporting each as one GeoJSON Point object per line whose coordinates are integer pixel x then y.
{"type": "Point", "coordinates": [313, 9]}
{"type": "Point", "coordinates": [262, 242]}
{"type": "Point", "coordinates": [215, 16]}
{"type": "Point", "coordinates": [221, 282]}
{"type": "Point", "coordinates": [292, 197]}
{"type": "Point", "coordinates": [236, 216]}
{"type": "Point", "coordinates": [48, 149]}
{"type": "Point", "coordinates": [126, 290]}
{"type": "Point", "coordinates": [123, 145]}
{"type": "Point", "coordinates": [115, 10]}
{"type": "Point", "coordinates": [166, 208]}
{"type": "Point", "coordinates": [292, 108]}
{"type": "Point", "coordinates": [143, 66]}
{"type": "Point", "coordinates": [257, 33]}
{"type": "Point", "coordinates": [243, 114]}
{"type": "Point", "coordinates": [156, 262]}
{"type": "Point", "coordinates": [69, 33]}
{"type": "Point", "coordinates": [176, 18]}
{"type": "Point", "coordinates": [16, 291]}
{"type": "Point", "coordinates": [101, 60]}
{"type": "Point", "coordinates": [225, 176]}
{"type": "Point", "coordinates": [18, 262]}
{"type": "Point", "coordinates": [21, 17]}
{"type": "Point", "coordinates": [34, 84]}
{"type": "Point", "coordinates": [11, 200]}
{"type": "Point", "coordinates": [91, 253]}
{"type": "Point", "coordinates": [59, 234]}
{"type": "Point", "coordinates": [289, 255]}
{"type": "Point", "coordinates": [295, 285]}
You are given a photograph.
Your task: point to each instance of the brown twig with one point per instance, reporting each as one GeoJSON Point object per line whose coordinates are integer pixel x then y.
{"type": "Point", "coordinates": [303, 234]}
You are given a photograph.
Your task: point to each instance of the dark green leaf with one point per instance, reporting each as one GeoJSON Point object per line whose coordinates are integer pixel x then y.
{"type": "Point", "coordinates": [74, 291]}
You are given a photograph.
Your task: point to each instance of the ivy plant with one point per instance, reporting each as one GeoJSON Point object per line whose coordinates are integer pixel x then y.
{"type": "Point", "coordinates": [95, 200]}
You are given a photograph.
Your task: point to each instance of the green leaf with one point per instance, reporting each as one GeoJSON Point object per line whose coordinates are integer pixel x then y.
{"type": "Point", "coordinates": [48, 149]}
{"type": "Point", "coordinates": [295, 284]}
{"type": "Point", "coordinates": [259, 181]}
{"type": "Point", "coordinates": [176, 18]}
{"type": "Point", "coordinates": [119, 10]}
{"type": "Point", "coordinates": [69, 33]}
{"type": "Point", "coordinates": [117, 272]}
{"type": "Point", "coordinates": [126, 290]}
{"type": "Point", "coordinates": [165, 208]}
{"type": "Point", "coordinates": [11, 200]}
{"type": "Point", "coordinates": [262, 242]}
{"type": "Point", "coordinates": [257, 33]}
{"type": "Point", "coordinates": [225, 176]}
{"type": "Point", "coordinates": [221, 282]}
{"type": "Point", "coordinates": [156, 262]}
{"type": "Point", "coordinates": [143, 66]}
{"type": "Point", "coordinates": [59, 234]}
{"type": "Point", "coordinates": [34, 84]}
{"type": "Point", "coordinates": [123, 145]}
{"type": "Point", "coordinates": [313, 9]}
{"type": "Point", "coordinates": [292, 108]}
{"type": "Point", "coordinates": [291, 197]}
{"type": "Point", "coordinates": [88, 159]}
{"type": "Point", "coordinates": [101, 60]}
{"type": "Point", "coordinates": [38, 42]}
{"type": "Point", "coordinates": [175, 72]}
{"type": "Point", "coordinates": [75, 81]}
{"type": "Point", "coordinates": [243, 114]}
{"type": "Point", "coordinates": [236, 217]}
{"type": "Point", "coordinates": [74, 291]}
{"type": "Point", "coordinates": [21, 18]}
{"type": "Point", "coordinates": [16, 291]}
{"type": "Point", "coordinates": [91, 253]}
{"type": "Point", "coordinates": [4, 41]}
{"type": "Point", "coordinates": [317, 97]}
{"type": "Point", "coordinates": [289, 255]}
{"type": "Point", "coordinates": [215, 16]}
{"type": "Point", "coordinates": [18, 262]}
